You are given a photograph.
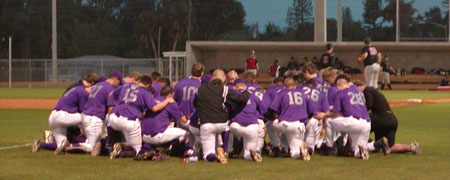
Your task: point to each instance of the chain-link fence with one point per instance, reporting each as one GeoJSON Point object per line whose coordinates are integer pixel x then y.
{"type": "Point", "coordinates": [33, 73]}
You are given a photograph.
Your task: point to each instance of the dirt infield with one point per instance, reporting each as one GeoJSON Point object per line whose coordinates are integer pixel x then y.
{"type": "Point", "coordinates": [11, 103]}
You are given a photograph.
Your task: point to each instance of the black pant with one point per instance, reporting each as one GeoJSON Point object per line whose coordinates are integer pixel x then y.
{"type": "Point", "coordinates": [384, 125]}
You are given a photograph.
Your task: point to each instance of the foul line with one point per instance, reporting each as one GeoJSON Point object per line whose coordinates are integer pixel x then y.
{"type": "Point", "coordinates": [15, 146]}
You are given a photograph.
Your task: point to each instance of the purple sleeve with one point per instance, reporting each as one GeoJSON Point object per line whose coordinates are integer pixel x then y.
{"type": "Point", "coordinates": [82, 99]}
{"type": "Point", "coordinates": [110, 101]}
{"type": "Point", "coordinates": [149, 100]}
{"type": "Point", "coordinates": [174, 111]}
{"type": "Point", "coordinates": [337, 103]}
{"type": "Point", "coordinates": [324, 102]}
{"type": "Point", "coordinates": [275, 105]}
{"type": "Point", "coordinates": [116, 92]}
{"type": "Point", "coordinates": [311, 106]}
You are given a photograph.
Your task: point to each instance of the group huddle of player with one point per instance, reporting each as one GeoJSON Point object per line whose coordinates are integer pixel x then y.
{"type": "Point", "coordinates": [146, 120]}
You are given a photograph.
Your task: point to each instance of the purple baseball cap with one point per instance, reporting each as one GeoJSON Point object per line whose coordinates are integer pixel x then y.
{"type": "Point", "coordinates": [117, 74]}
{"type": "Point", "coordinates": [101, 78]}
{"type": "Point", "coordinates": [239, 81]}
{"type": "Point", "coordinates": [206, 79]}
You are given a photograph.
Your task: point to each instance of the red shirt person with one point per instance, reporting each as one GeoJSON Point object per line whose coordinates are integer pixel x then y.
{"type": "Point", "coordinates": [252, 63]}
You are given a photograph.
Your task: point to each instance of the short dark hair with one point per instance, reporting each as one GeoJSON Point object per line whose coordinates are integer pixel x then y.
{"type": "Point", "coordinates": [156, 76]}
{"type": "Point", "coordinates": [278, 80]}
{"type": "Point", "coordinates": [197, 69]}
{"type": "Point", "coordinates": [367, 40]}
{"type": "Point", "coordinates": [276, 61]}
{"type": "Point", "coordinates": [146, 80]}
{"type": "Point", "coordinates": [166, 91]}
{"type": "Point", "coordinates": [329, 46]}
{"type": "Point", "coordinates": [165, 80]}
{"type": "Point", "coordinates": [91, 78]}
{"type": "Point", "coordinates": [310, 82]}
{"type": "Point", "coordinates": [310, 67]}
{"type": "Point", "coordinates": [343, 76]}
{"type": "Point", "coordinates": [359, 82]}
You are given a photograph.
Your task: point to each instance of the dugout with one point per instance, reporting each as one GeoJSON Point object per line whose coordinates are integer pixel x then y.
{"type": "Point", "coordinates": [232, 54]}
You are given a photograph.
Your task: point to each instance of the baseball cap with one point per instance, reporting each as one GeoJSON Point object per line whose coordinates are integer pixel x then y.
{"type": "Point", "coordinates": [206, 78]}
{"type": "Point", "coordinates": [117, 74]}
{"type": "Point", "coordinates": [239, 81]}
{"type": "Point", "coordinates": [101, 78]}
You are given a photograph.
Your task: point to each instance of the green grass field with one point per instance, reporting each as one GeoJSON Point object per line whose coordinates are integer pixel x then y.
{"type": "Point", "coordinates": [427, 123]}
{"type": "Point", "coordinates": [56, 93]}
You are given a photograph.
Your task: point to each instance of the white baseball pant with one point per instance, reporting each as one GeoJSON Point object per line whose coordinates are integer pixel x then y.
{"type": "Point", "coordinates": [59, 121]}
{"type": "Point", "coordinates": [92, 128]}
{"type": "Point", "coordinates": [312, 129]}
{"type": "Point", "coordinates": [249, 135]}
{"type": "Point", "coordinates": [386, 78]}
{"type": "Point", "coordinates": [275, 137]}
{"type": "Point", "coordinates": [319, 134]}
{"type": "Point", "coordinates": [208, 133]}
{"type": "Point", "coordinates": [131, 129]}
{"type": "Point", "coordinates": [170, 134]}
{"type": "Point", "coordinates": [194, 135]}
{"type": "Point", "coordinates": [357, 129]}
{"type": "Point", "coordinates": [261, 135]}
{"type": "Point", "coordinates": [371, 74]}
{"type": "Point", "coordinates": [295, 133]}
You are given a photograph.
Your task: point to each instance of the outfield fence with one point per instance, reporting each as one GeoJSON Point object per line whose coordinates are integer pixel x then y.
{"type": "Point", "coordinates": [38, 72]}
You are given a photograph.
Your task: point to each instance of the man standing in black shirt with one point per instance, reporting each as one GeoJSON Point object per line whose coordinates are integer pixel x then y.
{"type": "Point", "coordinates": [292, 64]}
{"type": "Point", "coordinates": [371, 58]}
{"type": "Point", "coordinates": [383, 121]}
{"type": "Point", "coordinates": [386, 72]}
{"type": "Point", "coordinates": [213, 118]}
{"type": "Point", "coordinates": [327, 58]}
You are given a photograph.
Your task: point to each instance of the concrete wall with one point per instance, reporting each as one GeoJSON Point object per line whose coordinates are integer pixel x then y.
{"type": "Point", "coordinates": [232, 54]}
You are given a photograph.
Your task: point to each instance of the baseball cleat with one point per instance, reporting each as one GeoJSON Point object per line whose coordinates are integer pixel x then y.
{"type": "Point", "coordinates": [276, 152]}
{"type": "Point", "coordinates": [35, 145]}
{"type": "Point", "coordinates": [383, 142]}
{"type": "Point", "coordinates": [256, 156]}
{"type": "Point", "coordinates": [64, 144]}
{"type": "Point", "coordinates": [221, 156]}
{"type": "Point", "coordinates": [304, 152]}
{"type": "Point", "coordinates": [96, 150]}
{"type": "Point", "coordinates": [117, 150]}
{"type": "Point", "coordinates": [415, 147]}
{"type": "Point", "coordinates": [364, 154]}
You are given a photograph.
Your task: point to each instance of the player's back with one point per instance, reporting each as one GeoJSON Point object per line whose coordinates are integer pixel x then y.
{"type": "Point", "coordinates": [252, 87]}
{"type": "Point", "coordinates": [332, 92]}
{"type": "Point", "coordinates": [157, 87]}
{"type": "Point", "coordinates": [247, 114]}
{"type": "Point", "coordinates": [291, 105]}
{"type": "Point", "coordinates": [157, 122]}
{"type": "Point", "coordinates": [133, 101]}
{"type": "Point", "coordinates": [73, 100]}
{"type": "Point", "coordinates": [184, 91]}
{"type": "Point", "coordinates": [273, 91]}
{"type": "Point", "coordinates": [98, 100]}
{"type": "Point", "coordinates": [351, 102]}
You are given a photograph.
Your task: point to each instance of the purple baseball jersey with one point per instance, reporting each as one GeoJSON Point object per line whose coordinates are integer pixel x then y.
{"type": "Point", "coordinates": [291, 104]}
{"type": "Point", "coordinates": [157, 122]}
{"type": "Point", "coordinates": [73, 100]}
{"type": "Point", "coordinates": [251, 87]}
{"type": "Point", "coordinates": [272, 92]}
{"type": "Point", "coordinates": [98, 100]}
{"type": "Point", "coordinates": [332, 91]}
{"type": "Point", "coordinates": [247, 114]}
{"type": "Point", "coordinates": [116, 92]}
{"type": "Point", "coordinates": [184, 92]}
{"type": "Point", "coordinates": [133, 101]}
{"type": "Point", "coordinates": [319, 99]}
{"type": "Point", "coordinates": [351, 102]}
{"type": "Point", "coordinates": [157, 86]}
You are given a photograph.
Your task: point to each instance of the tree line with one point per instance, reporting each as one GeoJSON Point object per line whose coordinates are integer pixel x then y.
{"type": "Point", "coordinates": [134, 28]}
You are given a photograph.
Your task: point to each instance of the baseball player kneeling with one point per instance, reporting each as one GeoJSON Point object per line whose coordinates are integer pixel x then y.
{"type": "Point", "coordinates": [291, 104]}
{"type": "Point", "coordinates": [349, 115]}
{"type": "Point", "coordinates": [245, 124]}
{"type": "Point", "coordinates": [155, 126]}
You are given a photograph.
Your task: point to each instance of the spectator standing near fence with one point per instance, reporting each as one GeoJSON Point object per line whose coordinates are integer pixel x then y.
{"type": "Point", "coordinates": [371, 58]}
{"type": "Point", "coordinates": [252, 63]}
{"type": "Point", "coordinates": [292, 64]}
{"type": "Point", "coordinates": [274, 71]}
{"type": "Point", "coordinates": [327, 58]}
{"type": "Point", "coordinates": [386, 72]}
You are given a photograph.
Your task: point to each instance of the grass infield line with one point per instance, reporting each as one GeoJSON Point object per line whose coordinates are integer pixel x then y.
{"type": "Point", "coordinates": [15, 146]}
